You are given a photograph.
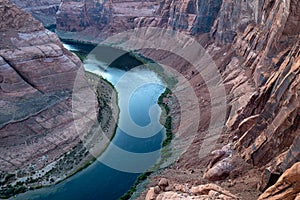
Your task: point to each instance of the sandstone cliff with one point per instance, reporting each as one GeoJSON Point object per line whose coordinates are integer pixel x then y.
{"type": "Point", "coordinates": [268, 124]}
{"type": "Point", "coordinates": [256, 47]}
{"type": "Point", "coordinates": [37, 123]}
{"type": "Point", "coordinates": [92, 19]}
{"type": "Point", "coordinates": [255, 44]}
{"type": "Point", "coordinates": [42, 10]}
{"type": "Point", "coordinates": [192, 16]}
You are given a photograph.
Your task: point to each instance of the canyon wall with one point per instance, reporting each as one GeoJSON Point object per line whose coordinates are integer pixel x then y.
{"type": "Point", "coordinates": [37, 75]}
{"type": "Point", "coordinates": [255, 44]}
{"type": "Point", "coordinates": [99, 19]}
{"type": "Point", "coordinates": [76, 16]}
{"type": "Point", "coordinates": [191, 16]}
{"type": "Point", "coordinates": [268, 124]}
{"type": "Point", "coordinates": [42, 10]}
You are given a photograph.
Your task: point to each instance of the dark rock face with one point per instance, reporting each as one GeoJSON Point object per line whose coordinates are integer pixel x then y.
{"type": "Point", "coordinates": [36, 81]}
{"type": "Point", "coordinates": [76, 16]}
{"type": "Point", "coordinates": [206, 15]}
{"type": "Point", "coordinates": [189, 15]}
{"type": "Point", "coordinates": [101, 19]}
{"type": "Point", "coordinates": [287, 187]}
{"type": "Point", "coordinates": [236, 15]}
{"type": "Point", "coordinates": [42, 10]}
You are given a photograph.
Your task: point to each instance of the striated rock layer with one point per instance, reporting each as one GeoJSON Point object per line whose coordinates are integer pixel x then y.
{"type": "Point", "coordinates": [42, 10]}
{"type": "Point", "coordinates": [93, 19]}
{"type": "Point", "coordinates": [38, 125]}
{"type": "Point", "coordinates": [255, 44]}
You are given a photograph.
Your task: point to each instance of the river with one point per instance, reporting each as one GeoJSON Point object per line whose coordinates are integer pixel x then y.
{"type": "Point", "coordinates": [113, 174]}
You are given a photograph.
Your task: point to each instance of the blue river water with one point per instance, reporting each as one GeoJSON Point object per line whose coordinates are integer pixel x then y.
{"type": "Point", "coordinates": [100, 181]}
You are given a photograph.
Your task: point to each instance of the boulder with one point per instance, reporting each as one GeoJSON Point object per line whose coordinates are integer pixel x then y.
{"type": "Point", "coordinates": [150, 194]}
{"type": "Point", "coordinates": [286, 188]}
{"type": "Point", "coordinates": [211, 189]}
{"type": "Point", "coordinates": [163, 183]}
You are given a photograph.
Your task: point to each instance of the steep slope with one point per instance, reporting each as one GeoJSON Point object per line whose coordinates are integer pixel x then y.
{"type": "Point", "coordinates": [192, 16]}
{"type": "Point", "coordinates": [268, 126]}
{"type": "Point", "coordinates": [255, 44]}
{"type": "Point", "coordinates": [91, 20]}
{"type": "Point", "coordinates": [44, 11]}
{"type": "Point", "coordinates": [256, 47]}
{"type": "Point", "coordinates": [38, 123]}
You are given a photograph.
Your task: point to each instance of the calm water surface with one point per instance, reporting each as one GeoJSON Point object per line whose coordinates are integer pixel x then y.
{"type": "Point", "coordinates": [101, 180]}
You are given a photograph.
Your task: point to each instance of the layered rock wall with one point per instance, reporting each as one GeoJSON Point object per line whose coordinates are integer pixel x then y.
{"type": "Point", "coordinates": [76, 16]}
{"type": "Point", "coordinates": [256, 47]}
{"type": "Point", "coordinates": [37, 76]}
{"type": "Point", "coordinates": [189, 15]}
{"type": "Point", "coordinates": [42, 10]}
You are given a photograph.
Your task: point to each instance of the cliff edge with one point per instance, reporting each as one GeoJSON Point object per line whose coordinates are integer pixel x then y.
{"type": "Point", "coordinates": [39, 125]}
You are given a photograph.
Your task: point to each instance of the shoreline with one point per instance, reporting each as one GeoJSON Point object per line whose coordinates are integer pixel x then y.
{"type": "Point", "coordinates": [58, 171]}
{"type": "Point", "coordinates": [165, 150]}
{"type": "Point", "coordinates": [141, 181]}
{"type": "Point", "coordinates": [166, 114]}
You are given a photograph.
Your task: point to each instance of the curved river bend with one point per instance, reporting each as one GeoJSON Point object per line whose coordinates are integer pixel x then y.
{"type": "Point", "coordinates": [110, 179]}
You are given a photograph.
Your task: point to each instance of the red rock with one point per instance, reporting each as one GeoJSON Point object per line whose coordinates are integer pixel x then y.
{"type": "Point", "coordinates": [210, 189]}
{"type": "Point", "coordinates": [42, 10]}
{"type": "Point", "coordinates": [150, 194]}
{"type": "Point", "coordinates": [163, 183]}
{"type": "Point", "coordinates": [287, 187]}
{"type": "Point", "coordinates": [38, 77]}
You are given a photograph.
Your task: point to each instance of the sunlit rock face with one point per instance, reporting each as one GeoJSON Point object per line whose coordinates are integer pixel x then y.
{"type": "Point", "coordinates": [265, 37]}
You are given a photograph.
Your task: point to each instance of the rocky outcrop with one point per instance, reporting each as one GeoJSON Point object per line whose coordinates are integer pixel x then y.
{"type": "Point", "coordinates": [271, 116]}
{"type": "Point", "coordinates": [256, 47]}
{"type": "Point", "coordinates": [94, 19]}
{"type": "Point", "coordinates": [220, 164]}
{"type": "Point", "coordinates": [38, 118]}
{"type": "Point", "coordinates": [35, 112]}
{"type": "Point", "coordinates": [42, 10]}
{"type": "Point", "coordinates": [191, 16]}
{"type": "Point", "coordinates": [287, 187]}
{"type": "Point", "coordinates": [177, 191]}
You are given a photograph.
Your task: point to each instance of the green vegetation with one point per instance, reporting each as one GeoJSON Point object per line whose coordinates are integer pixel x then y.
{"type": "Point", "coordinates": [169, 134]}
{"type": "Point", "coordinates": [139, 179]}
{"type": "Point", "coordinates": [51, 27]}
{"type": "Point", "coordinates": [78, 42]}
{"type": "Point", "coordinates": [12, 190]}
{"type": "Point", "coordinates": [165, 151]}
{"type": "Point", "coordinates": [9, 176]}
{"type": "Point", "coordinates": [80, 55]}
{"type": "Point", "coordinates": [168, 121]}
{"type": "Point", "coordinates": [160, 101]}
